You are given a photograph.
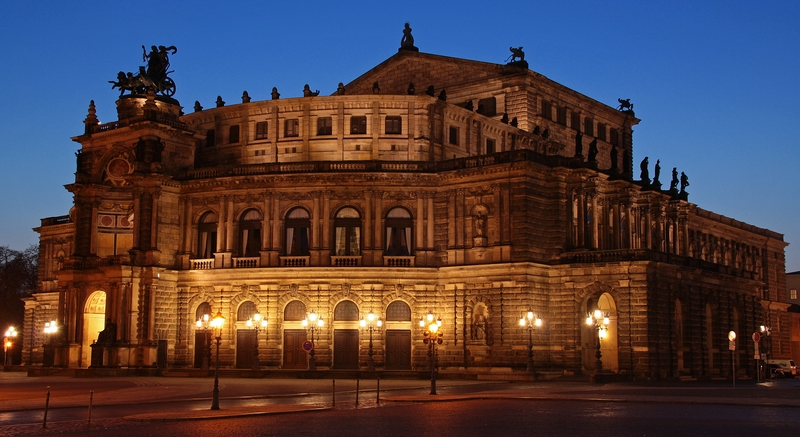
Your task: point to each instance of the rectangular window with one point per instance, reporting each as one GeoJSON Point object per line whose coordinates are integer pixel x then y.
{"type": "Point", "coordinates": [291, 127]}
{"type": "Point", "coordinates": [561, 116]}
{"type": "Point", "coordinates": [210, 138]}
{"type": "Point", "coordinates": [358, 124]}
{"type": "Point", "coordinates": [487, 106]}
{"type": "Point", "coordinates": [614, 137]}
{"type": "Point", "coordinates": [490, 146]}
{"type": "Point", "coordinates": [588, 126]}
{"type": "Point", "coordinates": [453, 135]}
{"type": "Point", "coordinates": [576, 121]}
{"type": "Point", "coordinates": [793, 294]}
{"type": "Point", "coordinates": [233, 134]}
{"type": "Point", "coordinates": [394, 125]}
{"type": "Point", "coordinates": [547, 110]}
{"type": "Point", "coordinates": [601, 131]}
{"type": "Point", "coordinates": [324, 126]}
{"type": "Point", "coordinates": [261, 130]}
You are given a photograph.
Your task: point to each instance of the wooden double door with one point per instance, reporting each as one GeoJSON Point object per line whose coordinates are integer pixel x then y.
{"type": "Point", "coordinates": [398, 349]}
{"type": "Point", "coordinates": [345, 349]}
{"type": "Point", "coordinates": [294, 357]}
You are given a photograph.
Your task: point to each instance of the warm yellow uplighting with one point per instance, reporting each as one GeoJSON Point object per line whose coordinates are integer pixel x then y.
{"type": "Point", "coordinates": [433, 327]}
{"type": "Point", "coordinates": [603, 332]}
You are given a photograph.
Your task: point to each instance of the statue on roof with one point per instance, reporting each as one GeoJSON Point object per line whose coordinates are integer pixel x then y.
{"type": "Point", "coordinates": [407, 42]}
{"type": "Point", "coordinates": [625, 106]}
{"type": "Point", "coordinates": [154, 76]}
{"type": "Point", "coordinates": [516, 54]}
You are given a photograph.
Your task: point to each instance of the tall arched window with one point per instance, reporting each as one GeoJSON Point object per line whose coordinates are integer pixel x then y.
{"type": "Point", "coordinates": [203, 309]}
{"type": "Point", "coordinates": [297, 227]}
{"type": "Point", "coordinates": [398, 232]}
{"type": "Point", "coordinates": [250, 233]}
{"type": "Point", "coordinates": [348, 232]}
{"type": "Point", "coordinates": [207, 236]}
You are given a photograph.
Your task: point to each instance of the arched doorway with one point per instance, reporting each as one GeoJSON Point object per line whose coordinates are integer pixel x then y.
{"type": "Point", "coordinates": [94, 313]}
{"type": "Point", "coordinates": [398, 336]}
{"type": "Point", "coordinates": [609, 346]}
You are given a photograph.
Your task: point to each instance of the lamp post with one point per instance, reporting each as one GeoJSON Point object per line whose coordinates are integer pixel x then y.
{"type": "Point", "coordinates": [530, 321]}
{"type": "Point", "coordinates": [50, 328]}
{"type": "Point", "coordinates": [432, 336]}
{"type": "Point", "coordinates": [313, 323]}
{"type": "Point", "coordinates": [765, 331]}
{"type": "Point", "coordinates": [257, 322]}
{"type": "Point", "coordinates": [600, 321]}
{"type": "Point", "coordinates": [8, 341]}
{"type": "Point", "coordinates": [216, 325]}
{"type": "Point", "coordinates": [371, 323]}
{"type": "Point", "coordinates": [204, 324]}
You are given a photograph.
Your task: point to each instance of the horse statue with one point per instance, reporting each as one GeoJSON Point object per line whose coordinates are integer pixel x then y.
{"type": "Point", "coordinates": [516, 54]}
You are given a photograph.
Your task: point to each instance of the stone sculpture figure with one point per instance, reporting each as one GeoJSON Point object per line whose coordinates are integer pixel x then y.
{"type": "Point", "coordinates": [684, 182]}
{"type": "Point", "coordinates": [673, 185]}
{"type": "Point", "coordinates": [657, 173]}
{"type": "Point", "coordinates": [578, 144]}
{"type": "Point", "coordinates": [593, 150]}
{"type": "Point", "coordinates": [614, 155]}
{"type": "Point", "coordinates": [645, 174]}
{"type": "Point", "coordinates": [153, 76]}
{"type": "Point", "coordinates": [516, 54]}
{"type": "Point", "coordinates": [407, 42]}
{"type": "Point", "coordinates": [480, 225]}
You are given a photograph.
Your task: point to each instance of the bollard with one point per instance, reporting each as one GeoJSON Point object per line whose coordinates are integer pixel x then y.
{"type": "Point", "coordinates": [357, 385]}
{"type": "Point", "coordinates": [334, 392]}
{"type": "Point", "coordinates": [89, 421]}
{"type": "Point", "coordinates": [46, 406]}
{"type": "Point", "coordinates": [378, 393]}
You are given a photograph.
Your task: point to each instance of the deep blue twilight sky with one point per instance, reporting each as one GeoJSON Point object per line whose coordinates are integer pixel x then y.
{"type": "Point", "coordinates": [715, 83]}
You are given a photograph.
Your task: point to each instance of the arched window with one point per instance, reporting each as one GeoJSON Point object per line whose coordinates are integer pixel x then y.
{"type": "Point", "coordinates": [346, 310]}
{"type": "Point", "coordinates": [398, 311]}
{"type": "Point", "coordinates": [398, 232]}
{"type": "Point", "coordinates": [207, 236]}
{"type": "Point", "coordinates": [297, 226]}
{"type": "Point", "coordinates": [295, 311]}
{"type": "Point", "coordinates": [203, 309]}
{"type": "Point", "coordinates": [348, 232]}
{"type": "Point", "coordinates": [246, 310]}
{"type": "Point", "coordinates": [250, 233]}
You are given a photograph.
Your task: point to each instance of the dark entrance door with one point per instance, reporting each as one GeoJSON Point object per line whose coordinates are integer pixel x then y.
{"type": "Point", "coordinates": [245, 346]}
{"type": "Point", "coordinates": [294, 357]}
{"type": "Point", "coordinates": [202, 351]}
{"type": "Point", "coordinates": [398, 350]}
{"type": "Point", "coordinates": [161, 357]}
{"type": "Point", "coordinates": [345, 349]}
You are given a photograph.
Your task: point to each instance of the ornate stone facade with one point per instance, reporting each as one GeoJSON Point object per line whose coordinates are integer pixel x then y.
{"type": "Point", "coordinates": [382, 199]}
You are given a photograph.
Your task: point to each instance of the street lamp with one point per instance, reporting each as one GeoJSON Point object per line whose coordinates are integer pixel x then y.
{"type": "Point", "coordinates": [432, 337]}
{"type": "Point", "coordinates": [530, 321]}
{"type": "Point", "coordinates": [766, 331]}
{"type": "Point", "coordinates": [257, 322]}
{"type": "Point", "coordinates": [204, 324]}
{"type": "Point", "coordinates": [50, 328]}
{"type": "Point", "coordinates": [313, 323]}
{"type": "Point", "coordinates": [216, 325]}
{"type": "Point", "coordinates": [371, 323]}
{"type": "Point", "coordinates": [8, 341]}
{"type": "Point", "coordinates": [600, 321]}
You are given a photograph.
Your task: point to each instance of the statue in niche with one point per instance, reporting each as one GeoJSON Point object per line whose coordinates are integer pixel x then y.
{"type": "Point", "coordinates": [673, 185]}
{"type": "Point", "coordinates": [614, 155]}
{"type": "Point", "coordinates": [593, 150]}
{"type": "Point", "coordinates": [479, 327]}
{"type": "Point", "coordinates": [578, 144]}
{"type": "Point", "coordinates": [480, 225]}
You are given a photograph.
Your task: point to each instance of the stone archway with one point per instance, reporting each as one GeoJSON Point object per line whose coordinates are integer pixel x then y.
{"type": "Point", "coordinates": [94, 313]}
{"type": "Point", "coordinates": [609, 346]}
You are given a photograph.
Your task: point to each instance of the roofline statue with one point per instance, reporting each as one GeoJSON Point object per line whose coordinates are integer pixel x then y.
{"type": "Point", "coordinates": [155, 75]}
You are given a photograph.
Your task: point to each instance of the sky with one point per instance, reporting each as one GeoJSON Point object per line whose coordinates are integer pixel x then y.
{"type": "Point", "coordinates": [716, 84]}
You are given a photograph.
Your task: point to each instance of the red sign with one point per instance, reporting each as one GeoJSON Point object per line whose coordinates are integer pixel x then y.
{"type": "Point", "coordinates": [308, 346]}
{"type": "Point", "coordinates": [756, 337]}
